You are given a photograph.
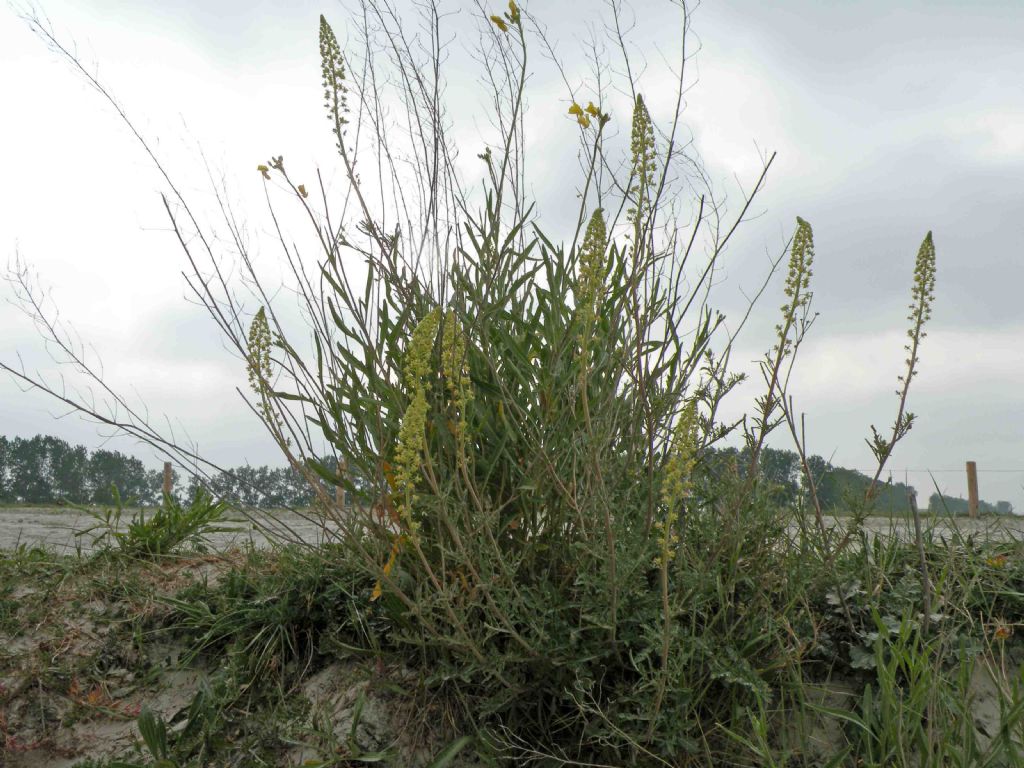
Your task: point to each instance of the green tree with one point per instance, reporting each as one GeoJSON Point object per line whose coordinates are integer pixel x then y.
{"type": "Point", "coordinates": [781, 470]}
{"type": "Point", "coordinates": [29, 473]}
{"type": "Point", "coordinates": [113, 468]}
{"type": "Point", "coordinates": [841, 489]}
{"type": "Point", "coordinates": [957, 506]}
{"type": "Point", "coordinates": [67, 470]}
{"type": "Point", "coordinates": [5, 450]}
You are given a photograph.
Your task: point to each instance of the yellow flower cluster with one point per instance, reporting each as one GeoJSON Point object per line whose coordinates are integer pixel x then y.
{"type": "Point", "coordinates": [798, 279]}
{"type": "Point", "coordinates": [453, 366]}
{"type": "Point", "coordinates": [676, 485]}
{"type": "Point", "coordinates": [644, 160]}
{"type": "Point", "coordinates": [584, 114]}
{"type": "Point", "coordinates": [924, 283]}
{"type": "Point", "coordinates": [591, 271]}
{"type": "Point", "coordinates": [512, 16]}
{"type": "Point", "coordinates": [412, 433]}
{"type": "Point", "coordinates": [259, 366]}
{"type": "Point", "coordinates": [332, 68]}
{"type": "Point", "coordinates": [259, 352]}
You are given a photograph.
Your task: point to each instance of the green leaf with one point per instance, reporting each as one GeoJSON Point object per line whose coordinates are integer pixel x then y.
{"type": "Point", "coordinates": [446, 755]}
{"type": "Point", "coordinates": [154, 733]}
{"type": "Point", "coordinates": [862, 659]}
{"type": "Point", "coordinates": [289, 396]}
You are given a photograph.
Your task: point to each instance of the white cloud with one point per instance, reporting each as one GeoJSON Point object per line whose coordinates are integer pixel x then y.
{"type": "Point", "coordinates": [993, 136]}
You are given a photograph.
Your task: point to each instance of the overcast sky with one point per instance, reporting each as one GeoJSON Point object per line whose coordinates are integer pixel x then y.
{"type": "Point", "coordinates": [890, 118]}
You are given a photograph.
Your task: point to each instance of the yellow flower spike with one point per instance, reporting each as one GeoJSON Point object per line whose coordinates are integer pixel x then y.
{"type": "Point", "coordinates": [264, 170]}
{"type": "Point", "coordinates": [576, 109]}
{"type": "Point", "coordinates": [332, 66]}
{"type": "Point", "coordinates": [421, 345]}
{"type": "Point", "coordinates": [644, 162]}
{"type": "Point", "coordinates": [513, 12]}
{"type": "Point", "coordinates": [592, 110]}
{"type": "Point", "coordinates": [302, 190]}
{"type": "Point", "coordinates": [260, 367]}
{"type": "Point", "coordinates": [583, 120]}
{"type": "Point", "coordinates": [677, 482]}
{"type": "Point", "coordinates": [590, 279]}
{"type": "Point", "coordinates": [412, 433]}
{"type": "Point", "coordinates": [500, 23]}
{"type": "Point", "coordinates": [453, 367]}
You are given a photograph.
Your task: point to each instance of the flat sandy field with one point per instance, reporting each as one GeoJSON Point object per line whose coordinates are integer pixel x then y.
{"type": "Point", "coordinates": [65, 529]}
{"type": "Point", "coordinates": [56, 528]}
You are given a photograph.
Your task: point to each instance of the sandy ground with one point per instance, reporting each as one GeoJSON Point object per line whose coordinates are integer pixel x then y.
{"type": "Point", "coordinates": [56, 528]}
{"type": "Point", "coordinates": [991, 527]}
{"type": "Point", "coordinates": [76, 634]}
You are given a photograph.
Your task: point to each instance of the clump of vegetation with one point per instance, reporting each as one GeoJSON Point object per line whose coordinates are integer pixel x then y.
{"type": "Point", "coordinates": [162, 531]}
{"type": "Point", "coordinates": [535, 520]}
{"type": "Point", "coordinates": [250, 634]}
{"type": "Point", "coordinates": [525, 422]}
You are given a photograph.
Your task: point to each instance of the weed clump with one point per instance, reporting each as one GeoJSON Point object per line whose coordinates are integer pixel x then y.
{"type": "Point", "coordinates": [163, 531]}
{"type": "Point", "coordinates": [526, 420]}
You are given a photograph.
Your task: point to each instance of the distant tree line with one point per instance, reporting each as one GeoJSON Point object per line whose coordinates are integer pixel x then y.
{"type": "Point", "coordinates": [838, 488]}
{"type": "Point", "coordinates": [954, 505]}
{"type": "Point", "coordinates": [262, 487]}
{"type": "Point", "coordinates": [48, 470]}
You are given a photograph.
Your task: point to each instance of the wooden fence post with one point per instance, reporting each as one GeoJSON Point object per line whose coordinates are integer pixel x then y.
{"type": "Point", "coordinates": [168, 479]}
{"type": "Point", "coordinates": [972, 489]}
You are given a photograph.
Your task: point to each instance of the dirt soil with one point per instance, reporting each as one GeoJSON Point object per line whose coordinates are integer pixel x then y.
{"type": "Point", "coordinates": [81, 654]}
{"type": "Point", "coordinates": [83, 650]}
